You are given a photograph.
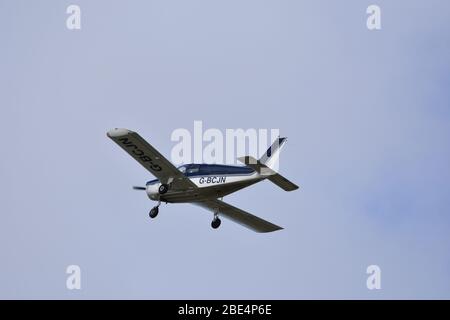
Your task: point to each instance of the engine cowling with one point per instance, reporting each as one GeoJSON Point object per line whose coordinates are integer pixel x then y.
{"type": "Point", "coordinates": [152, 191]}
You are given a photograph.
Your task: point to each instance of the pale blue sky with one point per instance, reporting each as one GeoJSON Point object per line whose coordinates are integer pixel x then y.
{"type": "Point", "coordinates": [366, 113]}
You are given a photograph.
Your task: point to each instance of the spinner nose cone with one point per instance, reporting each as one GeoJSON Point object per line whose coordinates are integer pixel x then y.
{"type": "Point", "coordinates": [118, 132]}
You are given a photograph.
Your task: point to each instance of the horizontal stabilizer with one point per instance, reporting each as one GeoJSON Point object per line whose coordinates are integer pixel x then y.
{"type": "Point", "coordinates": [282, 182]}
{"type": "Point", "coordinates": [270, 174]}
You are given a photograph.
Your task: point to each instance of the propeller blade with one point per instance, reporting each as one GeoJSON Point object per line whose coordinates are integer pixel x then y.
{"type": "Point", "coordinates": [138, 188]}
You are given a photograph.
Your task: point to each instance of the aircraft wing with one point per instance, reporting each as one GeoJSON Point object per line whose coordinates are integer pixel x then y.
{"type": "Point", "coordinates": [150, 158]}
{"type": "Point", "coordinates": [239, 216]}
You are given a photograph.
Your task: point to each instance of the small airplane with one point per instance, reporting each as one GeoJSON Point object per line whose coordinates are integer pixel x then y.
{"type": "Point", "coordinates": [203, 184]}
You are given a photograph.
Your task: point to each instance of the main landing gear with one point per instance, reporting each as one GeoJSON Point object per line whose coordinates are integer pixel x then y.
{"type": "Point", "coordinates": [163, 188]}
{"type": "Point", "coordinates": [216, 221]}
{"type": "Point", "coordinates": [155, 210]}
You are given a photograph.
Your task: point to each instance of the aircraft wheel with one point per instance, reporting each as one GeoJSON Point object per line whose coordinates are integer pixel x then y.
{"type": "Point", "coordinates": [154, 212]}
{"type": "Point", "coordinates": [215, 223]}
{"type": "Point", "coordinates": [163, 188]}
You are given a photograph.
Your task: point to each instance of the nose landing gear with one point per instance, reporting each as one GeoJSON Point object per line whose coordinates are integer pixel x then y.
{"type": "Point", "coordinates": [155, 210]}
{"type": "Point", "coordinates": [163, 188]}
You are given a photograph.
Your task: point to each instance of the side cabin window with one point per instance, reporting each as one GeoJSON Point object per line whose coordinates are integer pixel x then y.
{"type": "Point", "coordinates": [192, 170]}
{"type": "Point", "coordinates": [213, 169]}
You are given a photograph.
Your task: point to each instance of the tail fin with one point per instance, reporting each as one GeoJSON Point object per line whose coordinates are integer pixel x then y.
{"type": "Point", "coordinates": [265, 165]}
{"type": "Point", "coordinates": [271, 156]}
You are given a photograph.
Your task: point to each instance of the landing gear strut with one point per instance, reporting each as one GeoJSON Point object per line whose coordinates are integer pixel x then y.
{"type": "Point", "coordinates": [216, 221]}
{"type": "Point", "coordinates": [155, 210]}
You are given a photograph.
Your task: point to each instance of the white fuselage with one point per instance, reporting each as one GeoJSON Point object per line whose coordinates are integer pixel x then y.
{"type": "Point", "coordinates": [209, 186]}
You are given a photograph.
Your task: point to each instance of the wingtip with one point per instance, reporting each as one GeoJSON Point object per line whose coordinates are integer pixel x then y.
{"type": "Point", "coordinates": [273, 229]}
{"type": "Point", "coordinates": [117, 132]}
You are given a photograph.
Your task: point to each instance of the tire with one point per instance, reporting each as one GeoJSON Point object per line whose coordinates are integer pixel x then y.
{"type": "Point", "coordinates": [215, 223]}
{"type": "Point", "coordinates": [154, 212]}
{"type": "Point", "coordinates": [163, 188]}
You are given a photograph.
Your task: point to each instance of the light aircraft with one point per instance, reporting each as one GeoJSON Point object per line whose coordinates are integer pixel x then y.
{"type": "Point", "coordinates": [204, 184]}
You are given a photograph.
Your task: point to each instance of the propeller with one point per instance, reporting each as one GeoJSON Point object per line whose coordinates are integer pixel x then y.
{"type": "Point", "coordinates": [138, 188]}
